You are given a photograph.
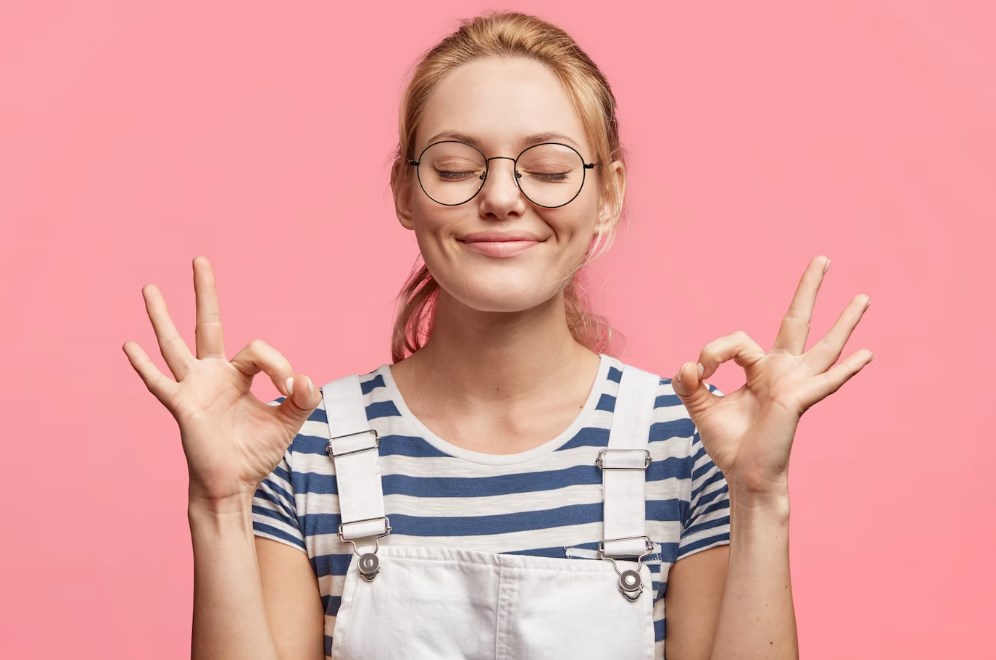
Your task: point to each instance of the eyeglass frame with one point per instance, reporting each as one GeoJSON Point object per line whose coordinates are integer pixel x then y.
{"type": "Point", "coordinates": [487, 170]}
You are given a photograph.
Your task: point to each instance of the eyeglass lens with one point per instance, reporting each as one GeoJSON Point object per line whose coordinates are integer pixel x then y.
{"type": "Point", "coordinates": [549, 175]}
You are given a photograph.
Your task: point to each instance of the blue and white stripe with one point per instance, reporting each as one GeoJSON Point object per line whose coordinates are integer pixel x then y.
{"type": "Point", "coordinates": [547, 501]}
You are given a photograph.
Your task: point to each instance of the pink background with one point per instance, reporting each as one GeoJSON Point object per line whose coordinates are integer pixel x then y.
{"type": "Point", "coordinates": [135, 136]}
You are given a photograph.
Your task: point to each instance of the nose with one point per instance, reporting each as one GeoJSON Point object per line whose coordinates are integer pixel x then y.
{"type": "Point", "coordinates": [500, 194]}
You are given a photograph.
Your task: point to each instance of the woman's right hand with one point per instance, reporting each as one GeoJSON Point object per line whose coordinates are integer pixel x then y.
{"type": "Point", "coordinates": [231, 439]}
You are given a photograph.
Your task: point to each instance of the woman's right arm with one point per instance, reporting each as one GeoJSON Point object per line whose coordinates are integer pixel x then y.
{"type": "Point", "coordinates": [252, 601]}
{"type": "Point", "coordinates": [254, 598]}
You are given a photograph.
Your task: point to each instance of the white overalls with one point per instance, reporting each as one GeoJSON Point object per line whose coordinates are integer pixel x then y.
{"type": "Point", "coordinates": [423, 602]}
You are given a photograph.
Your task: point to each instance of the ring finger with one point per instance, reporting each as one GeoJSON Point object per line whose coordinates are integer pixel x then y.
{"type": "Point", "coordinates": [826, 351]}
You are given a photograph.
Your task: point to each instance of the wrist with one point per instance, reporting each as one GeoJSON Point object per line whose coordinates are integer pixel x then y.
{"type": "Point", "coordinates": [217, 521]}
{"type": "Point", "coordinates": [771, 502]}
{"type": "Point", "coordinates": [198, 504]}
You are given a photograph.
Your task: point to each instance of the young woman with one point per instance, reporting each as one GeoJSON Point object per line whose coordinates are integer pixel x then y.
{"type": "Point", "coordinates": [505, 488]}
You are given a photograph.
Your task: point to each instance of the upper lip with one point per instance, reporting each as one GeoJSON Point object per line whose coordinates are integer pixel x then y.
{"type": "Point", "coordinates": [497, 236]}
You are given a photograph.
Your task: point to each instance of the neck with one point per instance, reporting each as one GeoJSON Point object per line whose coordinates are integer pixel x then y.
{"type": "Point", "coordinates": [498, 358]}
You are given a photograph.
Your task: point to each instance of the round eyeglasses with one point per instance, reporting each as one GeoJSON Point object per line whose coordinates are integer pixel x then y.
{"type": "Point", "coordinates": [550, 174]}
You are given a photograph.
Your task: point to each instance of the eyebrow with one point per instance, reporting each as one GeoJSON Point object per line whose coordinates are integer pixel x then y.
{"type": "Point", "coordinates": [536, 138]}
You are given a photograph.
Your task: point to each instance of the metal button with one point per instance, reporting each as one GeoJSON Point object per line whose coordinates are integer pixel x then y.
{"type": "Point", "coordinates": [369, 566]}
{"type": "Point", "coordinates": [631, 584]}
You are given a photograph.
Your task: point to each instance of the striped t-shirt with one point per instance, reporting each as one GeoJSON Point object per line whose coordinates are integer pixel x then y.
{"type": "Point", "coordinates": [545, 501]}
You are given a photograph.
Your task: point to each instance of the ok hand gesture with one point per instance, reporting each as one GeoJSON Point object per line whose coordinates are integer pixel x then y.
{"type": "Point", "coordinates": [230, 438]}
{"type": "Point", "coordinates": [748, 433]}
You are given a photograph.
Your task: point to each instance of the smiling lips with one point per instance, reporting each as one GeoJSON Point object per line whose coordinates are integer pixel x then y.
{"type": "Point", "coordinates": [497, 244]}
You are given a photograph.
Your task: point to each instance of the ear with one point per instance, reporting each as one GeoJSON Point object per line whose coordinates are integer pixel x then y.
{"type": "Point", "coordinates": [610, 204]}
{"type": "Point", "coordinates": [401, 187]}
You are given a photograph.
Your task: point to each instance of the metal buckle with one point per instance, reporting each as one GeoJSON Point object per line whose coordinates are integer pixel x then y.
{"type": "Point", "coordinates": [376, 443]}
{"type": "Point", "coordinates": [600, 459]}
{"type": "Point", "coordinates": [630, 582]}
{"type": "Point", "coordinates": [646, 539]}
{"type": "Point", "coordinates": [368, 564]}
{"type": "Point", "coordinates": [387, 527]}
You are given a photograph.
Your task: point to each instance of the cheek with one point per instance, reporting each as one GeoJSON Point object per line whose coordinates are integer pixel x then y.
{"type": "Point", "coordinates": [435, 222]}
{"type": "Point", "coordinates": [570, 229]}
{"type": "Point", "coordinates": [574, 223]}
{"type": "Point", "coordinates": [436, 228]}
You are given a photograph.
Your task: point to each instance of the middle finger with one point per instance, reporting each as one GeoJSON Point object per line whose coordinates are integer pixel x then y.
{"type": "Point", "coordinates": [210, 341]}
{"type": "Point", "coordinates": [794, 329]}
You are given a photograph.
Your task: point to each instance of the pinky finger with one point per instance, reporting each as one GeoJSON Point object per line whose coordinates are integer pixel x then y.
{"type": "Point", "coordinates": [160, 386]}
{"type": "Point", "coordinates": [830, 381]}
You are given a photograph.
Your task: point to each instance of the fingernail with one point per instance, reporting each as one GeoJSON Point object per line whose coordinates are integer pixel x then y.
{"type": "Point", "coordinates": [289, 384]}
{"type": "Point", "coordinates": [826, 267]}
{"type": "Point", "coordinates": [679, 370]}
{"type": "Point", "coordinates": [701, 370]}
{"type": "Point", "coordinates": [311, 386]}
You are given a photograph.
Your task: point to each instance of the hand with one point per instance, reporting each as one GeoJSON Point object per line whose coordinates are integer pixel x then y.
{"type": "Point", "coordinates": [748, 433]}
{"type": "Point", "coordinates": [231, 439]}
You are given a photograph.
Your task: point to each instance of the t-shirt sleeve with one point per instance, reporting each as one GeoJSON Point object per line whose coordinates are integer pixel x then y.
{"type": "Point", "coordinates": [274, 507]}
{"type": "Point", "coordinates": [706, 522]}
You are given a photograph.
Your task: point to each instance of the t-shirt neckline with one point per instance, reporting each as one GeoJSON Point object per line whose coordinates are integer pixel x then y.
{"type": "Point", "coordinates": [449, 448]}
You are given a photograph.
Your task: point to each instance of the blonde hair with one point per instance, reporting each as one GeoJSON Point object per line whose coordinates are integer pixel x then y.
{"type": "Point", "coordinates": [511, 34]}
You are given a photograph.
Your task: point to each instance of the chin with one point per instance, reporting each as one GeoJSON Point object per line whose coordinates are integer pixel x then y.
{"type": "Point", "coordinates": [500, 296]}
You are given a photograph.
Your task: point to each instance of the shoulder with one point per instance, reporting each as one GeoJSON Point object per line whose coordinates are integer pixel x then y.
{"type": "Point", "coordinates": [673, 435]}
{"type": "Point", "coordinates": [667, 400]}
{"type": "Point", "coordinates": [312, 437]}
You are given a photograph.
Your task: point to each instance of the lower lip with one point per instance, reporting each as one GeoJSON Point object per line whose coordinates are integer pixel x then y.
{"type": "Point", "coordinates": [500, 248]}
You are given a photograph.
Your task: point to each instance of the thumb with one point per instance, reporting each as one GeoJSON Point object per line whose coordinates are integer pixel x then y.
{"type": "Point", "coordinates": [302, 399]}
{"type": "Point", "coordinates": [691, 389]}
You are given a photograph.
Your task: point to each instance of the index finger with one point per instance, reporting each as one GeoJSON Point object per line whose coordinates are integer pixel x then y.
{"type": "Point", "coordinates": [208, 332]}
{"type": "Point", "coordinates": [794, 330]}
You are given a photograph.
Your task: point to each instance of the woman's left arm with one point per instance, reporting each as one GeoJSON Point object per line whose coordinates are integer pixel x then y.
{"type": "Point", "coordinates": [748, 434]}
{"type": "Point", "coordinates": [757, 617]}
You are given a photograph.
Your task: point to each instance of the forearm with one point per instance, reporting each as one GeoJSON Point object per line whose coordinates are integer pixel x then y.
{"type": "Point", "coordinates": [229, 612]}
{"type": "Point", "coordinates": [757, 617]}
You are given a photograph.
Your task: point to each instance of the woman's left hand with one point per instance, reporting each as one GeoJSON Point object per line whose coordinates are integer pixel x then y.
{"type": "Point", "coordinates": [748, 433]}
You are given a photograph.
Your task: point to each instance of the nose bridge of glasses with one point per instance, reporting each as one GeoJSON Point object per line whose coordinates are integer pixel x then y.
{"type": "Point", "coordinates": [487, 166]}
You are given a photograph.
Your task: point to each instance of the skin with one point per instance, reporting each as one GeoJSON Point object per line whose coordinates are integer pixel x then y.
{"type": "Point", "coordinates": [501, 360]}
{"type": "Point", "coordinates": [500, 343]}
{"type": "Point", "coordinates": [501, 339]}
{"type": "Point", "coordinates": [749, 434]}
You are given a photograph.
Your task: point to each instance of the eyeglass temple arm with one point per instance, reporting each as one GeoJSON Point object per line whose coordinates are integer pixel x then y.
{"type": "Point", "coordinates": [587, 166]}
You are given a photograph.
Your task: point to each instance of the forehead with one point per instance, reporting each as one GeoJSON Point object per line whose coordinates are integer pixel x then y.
{"type": "Point", "coordinates": [500, 102]}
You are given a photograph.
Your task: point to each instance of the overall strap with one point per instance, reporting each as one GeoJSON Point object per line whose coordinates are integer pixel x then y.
{"type": "Point", "coordinates": [624, 465]}
{"type": "Point", "coordinates": [353, 447]}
